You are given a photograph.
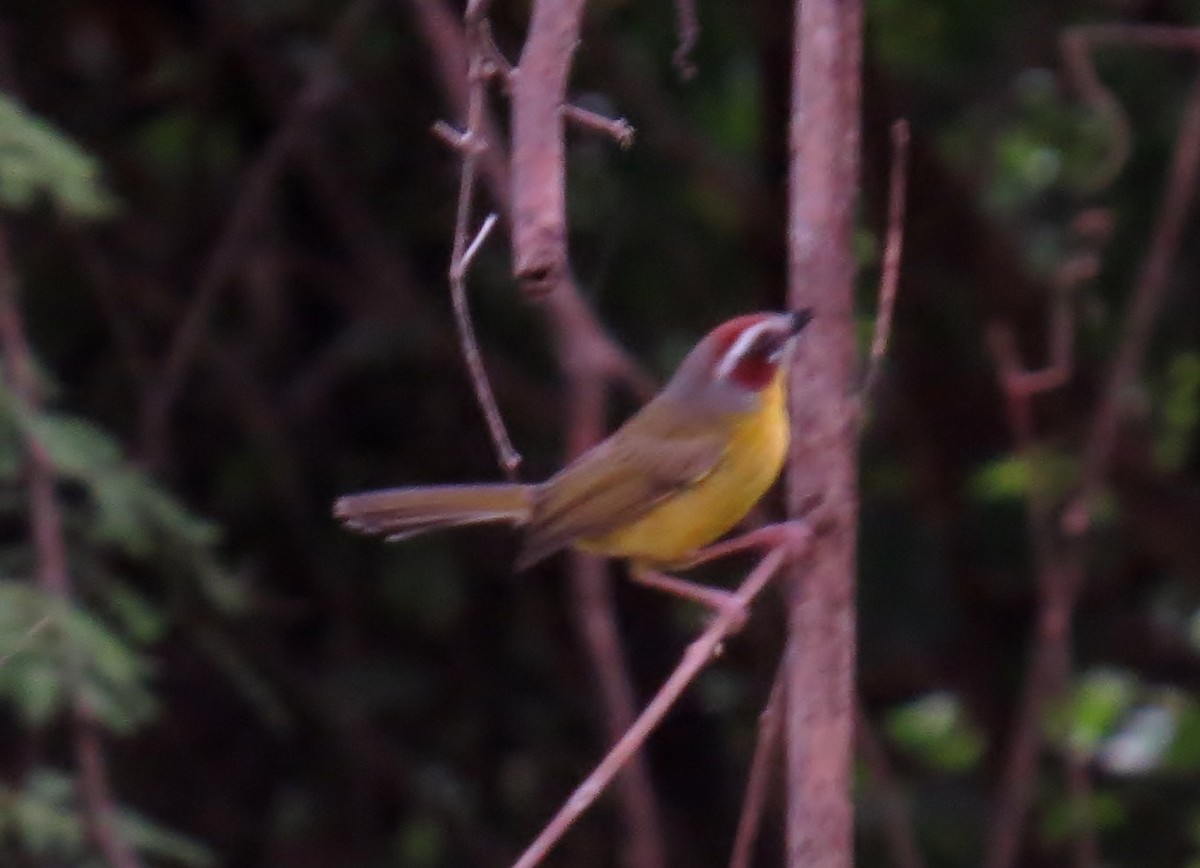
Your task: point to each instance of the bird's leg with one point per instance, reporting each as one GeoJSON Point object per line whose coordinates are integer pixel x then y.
{"type": "Point", "coordinates": [792, 535]}
{"type": "Point", "coordinates": [714, 598]}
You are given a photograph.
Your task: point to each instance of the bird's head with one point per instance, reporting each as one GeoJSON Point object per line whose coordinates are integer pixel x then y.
{"type": "Point", "coordinates": [735, 362]}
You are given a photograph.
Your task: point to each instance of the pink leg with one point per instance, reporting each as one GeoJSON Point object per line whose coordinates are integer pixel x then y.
{"type": "Point", "coordinates": [793, 535]}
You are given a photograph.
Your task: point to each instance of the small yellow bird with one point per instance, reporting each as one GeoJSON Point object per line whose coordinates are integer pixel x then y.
{"type": "Point", "coordinates": [675, 477]}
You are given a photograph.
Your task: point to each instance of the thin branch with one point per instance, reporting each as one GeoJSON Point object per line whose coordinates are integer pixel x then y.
{"type": "Point", "coordinates": [591, 361]}
{"type": "Point", "coordinates": [618, 129]}
{"type": "Point", "coordinates": [255, 186]}
{"type": "Point", "coordinates": [592, 586]}
{"type": "Point", "coordinates": [53, 577]}
{"type": "Point", "coordinates": [762, 763]}
{"type": "Point", "coordinates": [539, 212]}
{"type": "Point", "coordinates": [695, 658]}
{"type": "Point", "coordinates": [1049, 668]}
{"type": "Point", "coordinates": [892, 252]}
{"type": "Point", "coordinates": [460, 259]}
{"type": "Point", "coordinates": [1061, 574]}
{"type": "Point", "coordinates": [574, 323]}
{"type": "Point", "coordinates": [1148, 295]}
{"type": "Point", "coordinates": [460, 268]}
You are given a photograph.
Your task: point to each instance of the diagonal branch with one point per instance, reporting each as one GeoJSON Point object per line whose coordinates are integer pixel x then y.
{"type": "Point", "coordinates": [695, 658]}
{"type": "Point", "coordinates": [1149, 292]}
{"type": "Point", "coordinates": [762, 763]}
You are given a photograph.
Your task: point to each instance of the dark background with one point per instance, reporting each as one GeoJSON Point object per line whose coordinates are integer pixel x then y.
{"type": "Point", "coordinates": [277, 692]}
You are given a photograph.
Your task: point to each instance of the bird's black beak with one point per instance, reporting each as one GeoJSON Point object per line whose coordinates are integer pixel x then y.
{"type": "Point", "coordinates": [801, 318]}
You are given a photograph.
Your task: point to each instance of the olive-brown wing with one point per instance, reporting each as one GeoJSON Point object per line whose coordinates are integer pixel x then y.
{"type": "Point", "coordinates": [619, 480]}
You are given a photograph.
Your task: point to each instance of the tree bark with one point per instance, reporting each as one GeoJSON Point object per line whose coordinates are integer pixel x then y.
{"type": "Point", "coordinates": [823, 175]}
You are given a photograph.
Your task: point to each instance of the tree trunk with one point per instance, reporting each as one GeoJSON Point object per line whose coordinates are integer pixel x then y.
{"type": "Point", "coordinates": [824, 151]}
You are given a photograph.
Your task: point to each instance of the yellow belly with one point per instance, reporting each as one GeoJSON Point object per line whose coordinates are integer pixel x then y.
{"type": "Point", "coordinates": [701, 514]}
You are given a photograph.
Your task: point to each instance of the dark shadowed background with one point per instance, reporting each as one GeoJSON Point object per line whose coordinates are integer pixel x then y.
{"type": "Point", "coordinates": [229, 228]}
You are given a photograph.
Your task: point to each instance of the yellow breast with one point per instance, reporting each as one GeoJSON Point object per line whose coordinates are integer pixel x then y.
{"type": "Point", "coordinates": [703, 512]}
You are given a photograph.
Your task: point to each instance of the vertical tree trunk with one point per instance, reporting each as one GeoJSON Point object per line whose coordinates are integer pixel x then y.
{"type": "Point", "coordinates": [824, 142]}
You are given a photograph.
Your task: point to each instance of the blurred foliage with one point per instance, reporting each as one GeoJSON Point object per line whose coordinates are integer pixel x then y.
{"type": "Point", "coordinates": [275, 692]}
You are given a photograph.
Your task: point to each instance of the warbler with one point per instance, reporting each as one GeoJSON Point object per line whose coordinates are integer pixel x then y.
{"type": "Point", "coordinates": [678, 475]}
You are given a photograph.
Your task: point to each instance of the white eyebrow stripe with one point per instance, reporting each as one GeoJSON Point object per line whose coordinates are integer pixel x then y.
{"type": "Point", "coordinates": [741, 346]}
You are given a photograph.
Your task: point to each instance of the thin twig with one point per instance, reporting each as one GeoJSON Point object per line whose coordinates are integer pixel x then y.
{"type": "Point", "coordinates": [695, 658]}
{"type": "Point", "coordinates": [892, 253]}
{"type": "Point", "coordinates": [574, 322]}
{"type": "Point", "coordinates": [1062, 573]}
{"type": "Point", "coordinates": [1076, 46]}
{"type": "Point", "coordinates": [758, 782]}
{"type": "Point", "coordinates": [1148, 295]}
{"type": "Point", "coordinates": [1049, 668]}
{"type": "Point", "coordinates": [53, 577]}
{"type": "Point", "coordinates": [460, 259]}
{"type": "Point", "coordinates": [460, 268]}
{"type": "Point", "coordinates": [618, 129]}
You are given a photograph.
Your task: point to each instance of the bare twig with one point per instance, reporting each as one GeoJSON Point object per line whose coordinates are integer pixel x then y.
{"type": "Point", "coordinates": [892, 253]}
{"type": "Point", "coordinates": [1077, 44]}
{"type": "Point", "coordinates": [695, 658]}
{"type": "Point", "coordinates": [617, 129]}
{"type": "Point", "coordinates": [53, 576]}
{"type": "Point", "coordinates": [1061, 567]}
{"type": "Point", "coordinates": [508, 457]}
{"type": "Point", "coordinates": [591, 360]}
{"type": "Point", "coordinates": [460, 268]}
{"type": "Point", "coordinates": [1059, 576]}
{"type": "Point", "coordinates": [257, 181]}
{"type": "Point", "coordinates": [574, 323]}
{"type": "Point", "coordinates": [762, 763]}
{"type": "Point", "coordinates": [590, 581]}
{"type": "Point", "coordinates": [1148, 294]}
{"type": "Point", "coordinates": [1049, 669]}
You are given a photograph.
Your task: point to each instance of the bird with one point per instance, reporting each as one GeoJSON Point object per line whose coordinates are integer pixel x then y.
{"type": "Point", "coordinates": [675, 477]}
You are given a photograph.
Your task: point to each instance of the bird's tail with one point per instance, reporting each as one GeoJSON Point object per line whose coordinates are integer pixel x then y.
{"type": "Point", "coordinates": [405, 512]}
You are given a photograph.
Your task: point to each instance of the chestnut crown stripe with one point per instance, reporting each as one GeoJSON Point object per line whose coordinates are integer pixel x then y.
{"type": "Point", "coordinates": [749, 340]}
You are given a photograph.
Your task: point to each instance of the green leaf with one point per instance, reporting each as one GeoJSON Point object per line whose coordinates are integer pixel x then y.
{"type": "Point", "coordinates": [78, 449]}
{"type": "Point", "coordinates": [1101, 697]}
{"type": "Point", "coordinates": [41, 817]}
{"type": "Point", "coordinates": [36, 161]}
{"type": "Point", "coordinates": [1014, 476]}
{"type": "Point", "coordinates": [1180, 412]}
{"type": "Point", "coordinates": [935, 730]}
{"type": "Point", "coordinates": [1066, 817]}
